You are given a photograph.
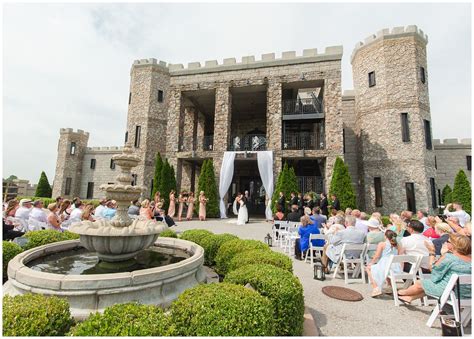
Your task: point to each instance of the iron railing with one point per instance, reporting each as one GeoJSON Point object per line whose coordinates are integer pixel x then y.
{"type": "Point", "coordinates": [302, 106]}
{"type": "Point", "coordinates": [208, 143]}
{"type": "Point", "coordinates": [310, 184]}
{"type": "Point", "coordinates": [249, 142]}
{"type": "Point", "coordinates": [303, 140]}
{"type": "Point", "coordinates": [205, 143]}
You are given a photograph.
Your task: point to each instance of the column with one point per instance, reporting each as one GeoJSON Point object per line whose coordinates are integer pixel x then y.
{"type": "Point", "coordinates": [222, 118]}
{"type": "Point", "coordinates": [174, 114]}
{"type": "Point", "coordinates": [188, 129]}
{"type": "Point", "coordinates": [274, 116]}
{"type": "Point", "coordinates": [201, 120]}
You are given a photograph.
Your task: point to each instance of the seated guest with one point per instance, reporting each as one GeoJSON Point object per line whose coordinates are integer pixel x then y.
{"type": "Point", "coordinates": [350, 235]}
{"type": "Point", "coordinates": [99, 210]}
{"type": "Point", "coordinates": [307, 211]}
{"type": "Point", "coordinates": [466, 230]}
{"type": "Point", "coordinates": [305, 230]}
{"type": "Point", "coordinates": [279, 215]}
{"type": "Point", "coordinates": [398, 226]}
{"type": "Point", "coordinates": [160, 215]}
{"type": "Point", "coordinates": [333, 214]}
{"type": "Point", "coordinates": [63, 213]}
{"type": "Point", "coordinates": [348, 211]}
{"type": "Point", "coordinates": [9, 233]}
{"type": "Point", "coordinates": [423, 218]}
{"type": "Point", "coordinates": [334, 228]}
{"type": "Point", "coordinates": [294, 215]}
{"type": "Point", "coordinates": [318, 218]}
{"type": "Point", "coordinates": [414, 244]}
{"type": "Point", "coordinates": [455, 259]}
{"type": "Point", "coordinates": [377, 216]}
{"type": "Point", "coordinates": [23, 212]}
{"type": "Point", "coordinates": [110, 210]}
{"type": "Point", "coordinates": [76, 213]}
{"type": "Point", "coordinates": [88, 213]}
{"type": "Point", "coordinates": [360, 222]}
{"type": "Point", "coordinates": [134, 208]}
{"type": "Point", "coordinates": [37, 214]}
{"type": "Point", "coordinates": [10, 211]}
{"type": "Point", "coordinates": [375, 234]}
{"type": "Point", "coordinates": [406, 216]}
{"type": "Point", "coordinates": [430, 231]}
{"type": "Point", "coordinates": [459, 213]}
{"type": "Point", "coordinates": [53, 221]}
{"type": "Point", "coordinates": [443, 230]}
{"type": "Point", "coordinates": [146, 211]}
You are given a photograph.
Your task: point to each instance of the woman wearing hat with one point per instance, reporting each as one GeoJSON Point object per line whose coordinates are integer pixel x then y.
{"type": "Point", "coordinates": [375, 234]}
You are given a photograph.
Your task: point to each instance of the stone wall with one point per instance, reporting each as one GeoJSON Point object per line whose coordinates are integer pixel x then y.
{"type": "Point", "coordinates": [350, 139]}
{"type": "Point", "coordinates": [450, 158]}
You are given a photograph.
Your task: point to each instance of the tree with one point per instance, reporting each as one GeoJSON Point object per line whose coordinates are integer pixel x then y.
{"type": "Point", "coordinates": [156, 178]}
{"type": "Point", "coordinates": [207, 183]}
{"type": "Point", "coordinates": [43, 189]}
{"type": "Point", "coordinates": [286, 183]}
{"type": "Point", "coordinates": [11, 178]}
{"type": "Point", "coordinates": [341, 185]}
{"type": "Point", "coordinates": [462, 191]}
{"type": "Point", "coordinates": [447, 195]}
{"type": "Point", "coordinates": [165, 186]}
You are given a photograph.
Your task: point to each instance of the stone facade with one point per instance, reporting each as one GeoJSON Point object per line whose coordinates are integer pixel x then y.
{"type": "Point", "coordinates": [452, 156]}
{"type": "Point", "coordinates": [203, 108]}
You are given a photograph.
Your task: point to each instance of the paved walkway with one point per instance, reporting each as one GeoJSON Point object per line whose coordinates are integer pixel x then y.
{"type": "Point", "coordinates": [369, 317]}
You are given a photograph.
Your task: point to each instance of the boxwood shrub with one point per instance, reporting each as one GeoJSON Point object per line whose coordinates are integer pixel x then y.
{"type": "Point", "coordinates": [212, 244]}
{"type": "Point", "coordinates": [261, 257]}
{"type": "Point", "coordinates": [195, 236]}
{"type": "Point", "coordinates": [35, 315]}
{"type": "Point", "coordinates": [130, 319]}
{"type": "Point", "coordinates": [168, 234]}
{"type": "Point", "coordinates": [10, 250]}
{"type": "Point", "coordinates": [222, 310]}
{"type": "Point", "coordinates": [43, 237]}
{"type": "Point", "coordinates": [230, 248]}
{"type": "Point", "coordinates": [282, 288]}
{"type": "Point", "coordinates": [386, 220]}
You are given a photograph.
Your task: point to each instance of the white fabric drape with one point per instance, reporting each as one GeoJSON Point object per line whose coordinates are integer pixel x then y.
{"type": "Point", "coordinates": [265, 167]}
{"type": "Point", "coordinates": [225, 179]}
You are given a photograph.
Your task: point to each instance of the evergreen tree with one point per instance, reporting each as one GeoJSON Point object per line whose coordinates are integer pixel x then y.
{"type": "Point", "coordinates": [157, 176]}
{"type": "Point", "coordinates": [462, 191]}
{"type": "Point", "coordinates": [286, 183]}
{"type": "Point", "coordinates": [292, 181]}
{"type": "Point", "coordinates": [173, 185]}
{"type": "Point", "coordinates": [447, 195]}
{"type": "Point", "coordinates": [341, 185]}
{"type": "Point", "coordinates": [43, 189]}
{"type": "Point", "coordinates": [276, 192]}
{"type": "Point", "coordinates": [165, 186]}
{"type": "Point", "coordinates": [207, 183]}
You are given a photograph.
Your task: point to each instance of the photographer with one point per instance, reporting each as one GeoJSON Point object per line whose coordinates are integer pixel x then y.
{"type": "Point", "coordinates": [459, 213]}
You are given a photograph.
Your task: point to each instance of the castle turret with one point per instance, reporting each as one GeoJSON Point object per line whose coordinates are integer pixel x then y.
{"type": "Point", "coordinates": [147, 115]}
{"type": "Point", "coordinates": [71, 149]}
{"type": "Point", "coordinates": [393, 121]}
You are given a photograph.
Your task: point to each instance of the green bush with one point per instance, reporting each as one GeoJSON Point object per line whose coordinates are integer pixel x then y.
{"type": "Point", "coordinates": [462, 191]}
{"type": "Point", "coordinates": [43, 237]}
{"type": "Point", "coordinates": [43, 189]}
{"type": "Point", "coordinates": [282, 288]}
{"type": "Point", "coordinates": [46, 201]}
{"type": "Point", "coordinates": [212, 244]}
{"type": "Point", "coordinates": [125, 320]}
{"type": "Point", "coordinates": [386, 220]}
{"type": "Point", "coordinates": [230, 248]}
{"type": "Point", "coordinates": [261, 257]}
{"type": "Point", "coordinates": [222, 310]}
{"type": "Point", "coordinates": [10, 250]}
{"type": "Point", "coordinates": [35, 315]}
{"type": "Point", "coordinates": [207, 183]}
{"type": "Point", "coordinates": [195, 236]}
{"type": "Point", "coordinates": [341, 185]}
{"type": "Point", "coordinates": [168, 234]}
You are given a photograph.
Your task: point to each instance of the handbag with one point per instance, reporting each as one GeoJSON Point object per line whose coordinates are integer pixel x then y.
{"type": "Point", "coordinates": [449, 326]}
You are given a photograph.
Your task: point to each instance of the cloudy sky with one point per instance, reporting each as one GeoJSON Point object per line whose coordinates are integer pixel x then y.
{"type": "Point", "coordinates": [68, 65]}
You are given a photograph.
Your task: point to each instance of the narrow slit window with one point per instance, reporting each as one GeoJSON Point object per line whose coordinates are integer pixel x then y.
{"type": "Point", "coordinates": [422, 74]}
{"type": "Point", "coordinates": [378, 191]}
{"type": "Point", "coordinates": [372, 79]}
{"type": "Point", "coordinates": [428, 142]}
{"type": "Point", "coordinates": [134, 179]}
{"type": "Point", "coordinates": [405, 127]}
{"type": "Point", "coordinates": [93, 161]}
{"type": "Point", "coordinates": [72, 149]}
{"type": "Point", "coordinates": [137, 136]}
{"type": "Point", "coordinates": [90, 190]}
{"type": "Point", "coordinates": [160, 95]}
{"type": "Point", "coordinates": [126, 136]}
{"type": "Point", "coordinates": [468, 162]}
{"type": "Point", "coordinates": [67, 190]}
{"type": "Point", "coordinates": [410, 191]}
{"type": "Point", "coordinates": [433, 193]}
{"type": "Point", "coordinates": [112, 164]}
{"type": "Point", "coordinates": [129, 98]}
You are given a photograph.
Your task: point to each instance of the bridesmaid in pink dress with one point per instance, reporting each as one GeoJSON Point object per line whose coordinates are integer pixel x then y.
{"type": "Point", "coordinates": [202, 206]}
{"type": "Point", "coordinates": [191, 199]}
{"type": "Point", "coordinates": [181, 201]}
{"type": "Point", "coordinates": [172, 208]}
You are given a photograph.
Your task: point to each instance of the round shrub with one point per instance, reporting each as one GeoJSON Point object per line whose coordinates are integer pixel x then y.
{"type": "Point", "coordinates": [282, 288]}
{"type": "Point", "coordinates": [222, 310]}
{"type": "Point", "coordinates": [230, 248]}
{"type": "Point", "coordinates": [386, 220]}
{"type": "Point", "coordinates": [212, 244]}
{"type": "Point", "coordinates": [261, 257]}
{"type": "Point", "coordinates": [10, 250]}
{"type": "Point", "coordinates": [35, 315]}
{"type": "Point", "coordinates": [168, 234]}
{"type": "Point", "coordinates": [195, 236]}
{"type": "Point", "coordinates": [43, 237]}
{"type": "Point", "coordinates": [130, 319]}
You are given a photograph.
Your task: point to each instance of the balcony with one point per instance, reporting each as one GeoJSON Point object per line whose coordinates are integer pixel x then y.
{"type": "Point", "coordinates": [205, 143]}
{"type": "Point", "coordinates": [303, 141]}
{"type": "Point", "coordinates": [307, 108]}
{"type": "Point", "coordinates": [248, 142]}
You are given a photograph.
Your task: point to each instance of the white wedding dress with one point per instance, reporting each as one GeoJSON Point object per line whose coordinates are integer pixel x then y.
{"type": "Point", "coordinates": [243, 215]}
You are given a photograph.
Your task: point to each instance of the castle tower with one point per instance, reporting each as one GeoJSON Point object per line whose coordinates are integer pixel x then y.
{"type": "Point", "coordinates": [147, 116]}
{"type": "Point", "coordinates": [393, 121]}
{"type": "Point", "coordinates": [71, 149]}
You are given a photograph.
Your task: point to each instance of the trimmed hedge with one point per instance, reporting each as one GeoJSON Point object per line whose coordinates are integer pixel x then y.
{"type": "Point", "coordinates": [195, 236]}
{"type": "Point", "coordinates": [35, 315]}
{"type": "Point", "coordinates": [212, 244]}
{"type": "Point", "coordinates": [47, 201]}
{"type": "Point", "coordinates": [130, 319]}
{"type": "Point", "coordinates": [168, 234]}
{"type": "Point", "coordinates": [282, 288]}
{"type": "Point", "coordinates": [386, 220]}
{"type": "Point", "coordinates": [43, 237]}
{"type": "Point", "coordinates": [230, 248]}
{"type": "Point", "coordinates": [261, 257]}
{"type": "Point", "coordinates": [222, 310]}
{"type": "Point", "coordinates": [10, 250]}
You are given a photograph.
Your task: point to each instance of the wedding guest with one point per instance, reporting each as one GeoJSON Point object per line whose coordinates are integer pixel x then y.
{"type": "Point", "coordinates": [281, 201]}
{"type": "Point", "coordinates": [191, 199]}
{"type": "Point", "coordinates": [305, 230]}
{"type": "Point", "coordinates": [146, 212]}
{"type": "Point", "coordinates": [335, 202]}
{"type": "Point", "coordinates": [181, 201]}
{"type": "Point", "coordinates": [323, 204]}
{"type": "Point", "coordinates": [158, 200]}
{"type": "Point", "coordinates": [429, 230]}
{"type": "Point", "coordinates": [23, 212]}
{"type": "Point", "coordinates": [37, 214]}
{"type": "Point", "coordinates": [459, 213]}
{"type": "Point", "coordinates": [294, 215]}
{"type": "Point", "coordinates": [375, 234]}
{"type": "Point", "coordinates": [279, 215]}
{"type": "Point", "coordinates": [53, 220]}
{"type": "Point", "coordinates": [301, 204]}
{"type": "Point", "coordinates": [99, 211]}
{"type": "Point", "coordinates": [133, 209]}
{"type": "Point", "coordinates": [172, 207]}
{"type": "Point", "coordinates": [111, 209]}
{"type": "Point", "coordinates": [202, 206]}
{"type": "Point", "coordinates": [88, 213]}
{"type": "Point", "coordinates": [443, 230]}
{"type": "Point", "coordinates": [63, 212]}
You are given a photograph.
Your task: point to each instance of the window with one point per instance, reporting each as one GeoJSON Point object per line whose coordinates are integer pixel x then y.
{"type": "Point", "coordinates": [134, 180]}
{"type": "Point", "coordinates": [72, 149]}
{"type": "Point", "coordinates": [137, 136]}
{"type": "Point", "coordinates": [422, 74]}
{"type": "Point", "coordinates": [410, 190]}
{"type": "Point", "coordinates": [112, 164]}
{"type": "Point", "coordinates": [160, 96]}
{"type": "Point", "coordinates": [428, 134]}
{"type": "Point", "coordinates": [378, 191]}
{"type": "Point", "coordinates": [405, 128]}
{"type": "Point", "coordinates": [67, 191]}
{"type": "Point", "coordinates": [372, 79]}
{"type": "Point", "coordinates": [90, 190]}
{"type": "Point", "coordinates": [126, 136]}
{"type": "Point", "coordinates": [343, 140]}
{"type": "Point", "coordinates": [92, 163]}
{"type": "Point", "coordinates": [436, 163]}
{"type": "Point", "coordinates": [433, 193]}
{"type": "Point", "coordinates": [129, 98]}
{"type": "Point", "coordinates": [468, 162]}
{"type": "Point", "coordinates": [439, 196]}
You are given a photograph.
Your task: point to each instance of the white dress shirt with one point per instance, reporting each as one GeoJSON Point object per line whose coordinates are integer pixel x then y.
{"type": "Point", "coordinates": [461, 215]}
{"type": "Point", "coordinates": [38, 214]}
{"type": "Point", "coordinates": [23, 213]}
{"type": "Point", "coordinates": [415, 245]}
{"type": "Point", "coordinates": [76, 215]}
{"type": "Point", "coordinates": [99, 212]}
{"type": "Point", "coordinates": [361, 226]}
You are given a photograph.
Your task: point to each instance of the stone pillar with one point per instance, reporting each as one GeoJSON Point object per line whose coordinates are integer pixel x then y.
{"type": "Point", "coordinates": [222, 119]}
{"type": "Point", "coordinates": [174, 115]}
{"type": "Point", "coordinates": [188, 129]}
{"type": "Point", "coordinates": [201, 121]}
{"type": "Point", "coordinates": [274, 116]}
{"type": "Point", "coordinates": [186, 176]}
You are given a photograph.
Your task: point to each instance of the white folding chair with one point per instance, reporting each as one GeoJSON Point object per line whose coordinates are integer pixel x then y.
{"type": "Point", "coordinates": [357, 250]}
{"type": "Point", "coordinates": [367, 258]}
{"type": "Point", "coordinates": [290, 239]}
{"type": "Point", "coordinates": [19, 224]}
{"type": "Point", "coordinates": [425, 276]}
{"type": "Point", "coordinates": [311, 249]}
{"type": "Point", "coordinates": [282, 233]}
{"type": "Point", "coordinates": [35, 225]}
{"type": "Point", "coordinates": [449, 297]}
{"type": "Point", "coordinates": [410, 277]}
{"type": "Point", "coordinates": [276, 229]}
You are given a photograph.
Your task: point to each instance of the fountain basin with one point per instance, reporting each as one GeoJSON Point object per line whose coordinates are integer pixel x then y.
{"type": "Point", "coordinates": [94, 292]}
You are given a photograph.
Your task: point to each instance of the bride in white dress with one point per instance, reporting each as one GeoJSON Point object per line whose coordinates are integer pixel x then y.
{"type": "Point", "coordinates": [243, 213]}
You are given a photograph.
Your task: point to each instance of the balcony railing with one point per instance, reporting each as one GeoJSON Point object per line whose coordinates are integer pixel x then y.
{"type": "Point", "coordinates": [303, 140]}
{"type": "Point", "coordinates": [310, 184]}
{"type": "Point", "coordinates": [249, 142]}
{"type": "Point", "coordinates": [205, 143]}
{"type": "Point", "coordinates": [302, 106]}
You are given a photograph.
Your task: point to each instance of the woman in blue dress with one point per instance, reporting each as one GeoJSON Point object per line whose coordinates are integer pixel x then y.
{"type": "Point", "coordinates": [377, 268]}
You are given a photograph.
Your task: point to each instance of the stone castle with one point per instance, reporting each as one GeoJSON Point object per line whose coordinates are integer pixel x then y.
{"type": "Point", "coordinates": [292, 106]}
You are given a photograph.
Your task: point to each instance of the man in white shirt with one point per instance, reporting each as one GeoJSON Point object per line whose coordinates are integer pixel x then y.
{"type": "Point", "coordinates": [76, 214]}
{"type": "Point", "coordinates": [415, 243]}
{"type": "Point", "coordinates": [360, 224]}
{"type": "Point", "coordinates": [423, 218]}
{"type": "Point", "coordinates": [23, 212]}
{"type": "Point", "coordinates": [459, 213]}
{"type": "Point", "coordinates": [37, 213]}
{"type": "Point", "coordinates": [99, 210]}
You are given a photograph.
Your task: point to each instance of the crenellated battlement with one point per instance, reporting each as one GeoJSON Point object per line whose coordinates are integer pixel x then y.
{"type": "Point", "coordinates": [117, 149]}
{"type": "Point", "coordinates": [71, 131]}
{"type": "Point", "coordinates": [386, 33]}
{"type": "Point", "coordinates": [452, 142]}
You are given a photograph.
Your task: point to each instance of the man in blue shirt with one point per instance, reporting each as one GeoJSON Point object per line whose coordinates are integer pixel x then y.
{"type": "Point", "coordinates": [317, 218]}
